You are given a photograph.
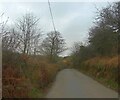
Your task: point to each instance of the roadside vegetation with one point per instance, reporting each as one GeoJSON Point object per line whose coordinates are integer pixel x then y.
{"type": "Point", "coordinates": [27, 76]}
{"type": "Point", "coordinates": [99, 57]}
{"type": "Point", "coordinates": [29, 62]}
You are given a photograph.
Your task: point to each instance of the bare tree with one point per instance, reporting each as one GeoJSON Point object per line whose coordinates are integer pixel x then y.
{"type": "Point", "coordinates": [53, 45]}
{"type": "Point", "coordinates": [9, 42]}
{"type": "Point", "coordinates": [27, 33]}
{"type": "Point", "coordinates": [5, 34]}
{"type": "Point", "coordinates": [3, 25]}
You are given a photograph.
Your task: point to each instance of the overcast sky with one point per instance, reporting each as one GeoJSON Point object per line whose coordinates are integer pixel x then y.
{"type": "Point", "coordinates": [72, 19]}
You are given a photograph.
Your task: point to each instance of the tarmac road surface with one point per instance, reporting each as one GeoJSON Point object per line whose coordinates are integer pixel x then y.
{"type": "Point", "coordinates": [71, 83]}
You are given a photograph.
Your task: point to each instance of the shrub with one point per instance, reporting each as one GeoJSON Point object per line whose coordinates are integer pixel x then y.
{"type": "Point", "coordinates": [13, 86]}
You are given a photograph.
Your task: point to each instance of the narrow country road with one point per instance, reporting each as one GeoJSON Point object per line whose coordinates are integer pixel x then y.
{"type": "Point", "coordinates": [71, 83]}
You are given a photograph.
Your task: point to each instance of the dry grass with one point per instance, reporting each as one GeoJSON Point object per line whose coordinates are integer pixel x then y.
{"type": "Point", "coordinates": [103, 68]}
{"type": "Point", "coordinates": [13, 86]}
{"type": "Point", "coordinates": [105, 61]}
{"type": "Point", "coordinates": [26, 75]}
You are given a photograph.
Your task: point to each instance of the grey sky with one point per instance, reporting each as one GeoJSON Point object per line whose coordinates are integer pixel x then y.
{"type": "Point", "coordinates": [72, 19]}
